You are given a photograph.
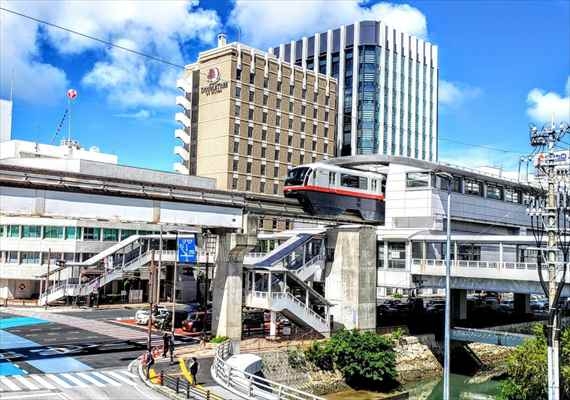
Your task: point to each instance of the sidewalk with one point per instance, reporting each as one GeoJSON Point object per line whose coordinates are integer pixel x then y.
{"type": "Point", "coordinates": [172, 370]}
{"type": "Point", "coordinates": [32, 304]}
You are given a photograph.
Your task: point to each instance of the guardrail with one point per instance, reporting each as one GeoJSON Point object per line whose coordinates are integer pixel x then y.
{"type": "Point", "coordinates": [181, 386]}
{"type": "Point", "coordinates": [250, 386]}
{"type": "Point", "coordinates": [488, 336]}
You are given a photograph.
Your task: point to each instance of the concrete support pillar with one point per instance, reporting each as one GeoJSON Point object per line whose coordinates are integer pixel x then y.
{"type": "Point", "coordinates": [228, 285]}
{"type": "Point", "coordinates": [522, 303]}
{"type": "Point", "coordinates": [350, 283]}
{"type": "Point", "coordinates": [424, 250]}
{"type": "Point", "coordinates": [458, 304]}
{"type": "Point", "coordinates": [273, 325]}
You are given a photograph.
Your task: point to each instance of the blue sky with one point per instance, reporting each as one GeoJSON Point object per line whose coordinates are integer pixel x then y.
{"type": "Point", "coordinates": [502, 65]}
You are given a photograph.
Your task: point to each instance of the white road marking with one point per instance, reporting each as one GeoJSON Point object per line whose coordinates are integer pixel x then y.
{"type": "Point", "coordinates": [42, 382]}
{"type": "Point", "coordinates": [26, 382]}
{"type": "Point", "coordinates": [59, 381]}
{"type": "Point", "coordinates": [34, 395]}
{"type": "Point", "coordinates": [128, 373]}
{"type": "Point", "coordinates": [106, 379]}
{"type": "Point", "coordinates": [120, 377]}
{"type": "Point", "coordinates": [7, 382]}
{"type": "Point", "coordinates": [90, 379]}
{"type": "Point", "coordinates": [75, 380]}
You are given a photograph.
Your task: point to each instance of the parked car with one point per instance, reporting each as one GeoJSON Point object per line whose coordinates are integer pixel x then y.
{"type": "Point", "coordinates": [141, 316]}
{"type": "Point", "coordinates": [197, 321]}
{"type": "Point", "coordinates": [164, 319]}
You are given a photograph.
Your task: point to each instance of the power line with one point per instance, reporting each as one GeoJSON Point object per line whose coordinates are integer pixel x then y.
{"type": "Point", "coordinates": [478, 145]}
{"type": "Point", "coordinates": [105, 42]}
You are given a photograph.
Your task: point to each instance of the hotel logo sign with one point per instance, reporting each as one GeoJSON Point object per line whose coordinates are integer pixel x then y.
{"type": "Point", "coordinates": [215, 83]}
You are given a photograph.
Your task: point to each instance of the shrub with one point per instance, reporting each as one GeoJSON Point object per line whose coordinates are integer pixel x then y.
{"type": "Point", "coordinates": [218, 339]}
{"type": "Point", "coordinates": [364, 358]}
{"type": "Point", "coordinates": [527, 369]}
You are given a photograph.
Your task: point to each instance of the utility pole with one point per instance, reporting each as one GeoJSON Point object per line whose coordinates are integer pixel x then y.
{"type": "Point", "coordinates": [150, 299]}
{"type": "Point", "coordinates": [174, 279]}
{"type": "Point", "coordinates": [553, 220]}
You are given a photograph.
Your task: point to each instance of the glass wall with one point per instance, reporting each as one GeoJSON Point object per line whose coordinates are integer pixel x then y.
{"type": "Point", "coordinates": [31, 231]}
{"type": "Point", "coordinates": [369, 60]}
{"type": "Point", "coordinates": [53, 232]}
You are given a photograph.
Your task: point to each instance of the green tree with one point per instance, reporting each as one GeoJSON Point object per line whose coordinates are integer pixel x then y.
{"type": "Point", "coordinates": [527, 369]}
{"type": "Point", "coordinates": [364, 358]}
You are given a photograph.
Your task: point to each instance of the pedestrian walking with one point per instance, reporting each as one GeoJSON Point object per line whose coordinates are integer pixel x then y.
{"type": "Point", "coordinates": [193, 368]}
{"type": "Point", "coordinates": [165, 343]}
{"type": "Point", "coordinates": [171, 348]}
{"type": "Point", "coordinates": [202, 340]}
{"type": "Point", "coordinates": [149, 362]}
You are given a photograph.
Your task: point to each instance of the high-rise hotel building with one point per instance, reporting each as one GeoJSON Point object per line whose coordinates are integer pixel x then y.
{"type": "Point", "coordinates": [247, 117]}
{"type": "Point", "coordinates": [387, 87]}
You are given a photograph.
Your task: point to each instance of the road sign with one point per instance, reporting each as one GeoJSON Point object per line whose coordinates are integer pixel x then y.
{"type": "Point", "coordinates": [187, 250]}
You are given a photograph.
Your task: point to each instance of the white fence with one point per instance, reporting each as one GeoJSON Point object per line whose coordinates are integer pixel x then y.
{"type": "Point", "coordinates": [251, 386]}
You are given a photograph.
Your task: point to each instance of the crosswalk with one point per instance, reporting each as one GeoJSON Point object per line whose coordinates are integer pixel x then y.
{"type": "Point", "coordinates": [70, 380]}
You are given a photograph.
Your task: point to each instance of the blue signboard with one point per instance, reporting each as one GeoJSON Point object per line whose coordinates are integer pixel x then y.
{"type": "Point", "coordinates": [187, 250]}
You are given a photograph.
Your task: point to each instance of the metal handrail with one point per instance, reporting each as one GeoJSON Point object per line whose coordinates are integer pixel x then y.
{"type": "Point", "coordinates": [249, 385]}
{"type": "Point", "coordinates": [300, 304]}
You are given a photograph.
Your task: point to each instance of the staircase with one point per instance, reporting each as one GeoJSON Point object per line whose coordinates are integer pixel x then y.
{"type": "Point", "coordinates": [137, 257]}
{"type": "Point", "coordinates": [288, 270]}
{"type": "Point", "coordinates": [291, 307]}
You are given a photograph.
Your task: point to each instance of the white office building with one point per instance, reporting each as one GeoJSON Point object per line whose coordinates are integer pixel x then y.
{"type": "Point", "coordinates": [387, 87]}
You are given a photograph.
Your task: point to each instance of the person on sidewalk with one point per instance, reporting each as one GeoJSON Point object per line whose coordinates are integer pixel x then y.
{"type": "Point", "coordinates": [165, 343]}
{"type": "Point", "coordinates": [171, 348]}
{"type": "Point", "coordinates": [193, 369]}
{"type": "Point", "coordinates": [149, 362]}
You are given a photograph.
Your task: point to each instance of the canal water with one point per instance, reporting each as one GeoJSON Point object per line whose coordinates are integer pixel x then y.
{"type": "Point", "coordinates": [432, 390]}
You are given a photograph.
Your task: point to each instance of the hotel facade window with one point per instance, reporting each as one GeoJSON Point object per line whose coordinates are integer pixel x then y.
{"type": "Point", "coordinates": [270, 131]}
{"type": "Point", "coordinates": [387, 95]}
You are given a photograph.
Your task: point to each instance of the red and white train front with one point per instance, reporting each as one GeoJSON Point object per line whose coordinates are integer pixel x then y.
{"type": "Point", "coordinates": [324, 189]}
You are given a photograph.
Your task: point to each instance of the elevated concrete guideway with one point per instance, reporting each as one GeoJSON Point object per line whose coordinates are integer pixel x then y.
{"type": "Point", "coordinates": [221, 202]}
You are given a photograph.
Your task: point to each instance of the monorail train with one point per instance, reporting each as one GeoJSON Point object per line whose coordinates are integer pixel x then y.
{"type": "Point", "coordinates": [324, 189]}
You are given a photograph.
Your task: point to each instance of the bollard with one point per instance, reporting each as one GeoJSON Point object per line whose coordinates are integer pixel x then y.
{"type": "Point", "coordinates": [187, 390]}
{"type": "Point", "coordinates": [207, 395]}
{"type": "Point", "coordinates": [177, 384]}
{"type": "Point", "coordinates": [161, 377]}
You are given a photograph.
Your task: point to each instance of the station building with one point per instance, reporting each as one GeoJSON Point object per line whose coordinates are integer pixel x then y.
{"type": "Point", "coordinates": [41, 227]}
{"type": "Point", "coordinates": [107, 220]}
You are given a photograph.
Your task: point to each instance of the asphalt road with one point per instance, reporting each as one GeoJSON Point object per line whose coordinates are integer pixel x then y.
{"type": "Point", "coordinates": [55, 340]}
{"type": "Point", "coordinates": [101, 315]}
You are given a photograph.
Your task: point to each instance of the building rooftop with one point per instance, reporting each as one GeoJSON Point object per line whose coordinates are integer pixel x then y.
{"type": "Point", "coordinates": [368, 162]}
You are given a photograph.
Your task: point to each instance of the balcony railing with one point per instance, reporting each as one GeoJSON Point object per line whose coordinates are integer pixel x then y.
{"type": "Point", "coordinates": [474, 264]}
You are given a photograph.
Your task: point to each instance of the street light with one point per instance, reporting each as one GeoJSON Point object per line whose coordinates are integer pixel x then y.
{"type": "Point", "coordinates": [447, 327]}
{"type": "Point", "coordinates": [205, 237]}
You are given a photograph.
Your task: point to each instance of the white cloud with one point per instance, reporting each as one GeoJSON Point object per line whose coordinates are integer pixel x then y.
{"type": "Point", "coordinates": [269, 23]}
{"type": "Point", "coordinates": [542, 106]}
{"type": "Point", "coordinates": [20, 62]}
{"type": "Point", "coordinates": [153, 27]}
{"type": "Point", "coordinates": [140, 114]}
{"type": "Point", "coordinates": [453, 94]}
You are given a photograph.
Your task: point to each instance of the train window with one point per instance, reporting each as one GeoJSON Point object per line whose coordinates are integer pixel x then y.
{"type": "Point", "coordinates": [296, 176]}
{"type": "Point", "coordinates": [350, 181]}
{"type": "Point", "coordinates": [332, 178]}
{"type": "Point", "coordinates": [363, 183]}
{"type": "Point", "coordinates": [374, 185]}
